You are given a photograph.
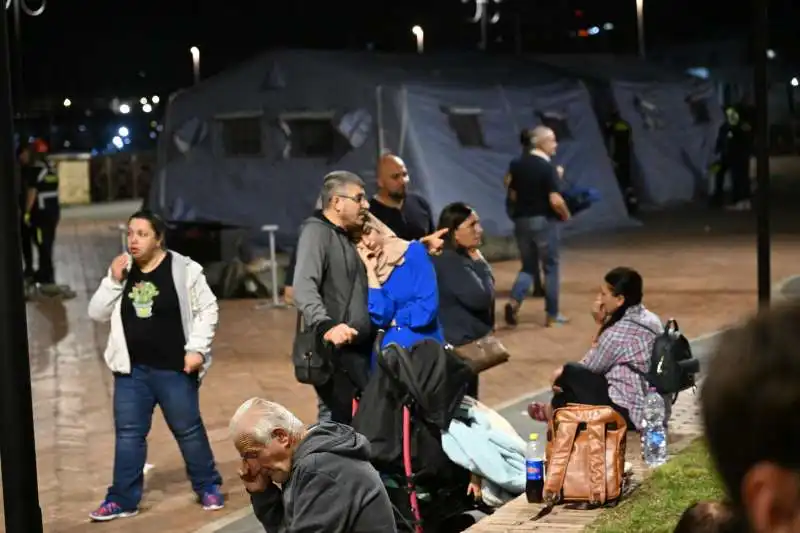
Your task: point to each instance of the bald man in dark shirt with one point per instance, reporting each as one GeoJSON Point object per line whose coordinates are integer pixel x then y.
{"type": "Point", "coordinates": [407, 214]}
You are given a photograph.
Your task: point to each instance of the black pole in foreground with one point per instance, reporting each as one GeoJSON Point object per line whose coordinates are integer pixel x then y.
{"type": "Point", "coordinates": [761, 43]}
{"type": "Point", "coordinates": [17, 443]}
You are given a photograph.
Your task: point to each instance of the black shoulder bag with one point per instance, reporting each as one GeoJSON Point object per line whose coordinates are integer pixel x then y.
{"type": "Point", "coordinates": [312, 363]}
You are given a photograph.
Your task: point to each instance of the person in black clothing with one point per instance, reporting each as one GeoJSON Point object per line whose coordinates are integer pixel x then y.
{"type": "Point", "coordinates": [722, 150]}
{"type": "Point", "coordinates": [740, 149]}
{"type": "Point", "coordinates": [534, 262]}
{"type": "Point", "coordinates": [26, 233]}
{"type": "Point", "coordinates": [41, 213]}
{"type": "Point", "coordinates": [618, 138]}
{"type": "Point", "coordinates": [466, 282]}
{"type": "Point", "coordinates": [407, 214]}
{"type": "Point", "coordinates": [533, 185]}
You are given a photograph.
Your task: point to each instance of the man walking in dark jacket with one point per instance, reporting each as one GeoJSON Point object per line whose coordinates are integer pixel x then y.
{"type": "Point", "coordinates": [327, 484]}
{"type": "Point", "coordinates": [330, 290]}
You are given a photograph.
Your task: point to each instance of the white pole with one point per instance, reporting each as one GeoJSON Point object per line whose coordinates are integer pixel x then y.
{"type": "Point", "coordinates": [195, 63]}
{"type": "Point", "coordinates": [273, 265]}
{"type": "Point", "coordinates": [420, 35]}
{"type": "Point", "coordinates": [640, 26]}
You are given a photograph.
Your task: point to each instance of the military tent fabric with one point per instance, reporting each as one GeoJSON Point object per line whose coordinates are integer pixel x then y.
{"type": "Point", "coordinates": [673, 143]}
{"type": "Point", "coordinates": [445, 171]}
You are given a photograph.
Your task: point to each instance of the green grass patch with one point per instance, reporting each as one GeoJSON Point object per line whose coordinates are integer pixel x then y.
{"type": "Point", "coordinates": [658, 503]}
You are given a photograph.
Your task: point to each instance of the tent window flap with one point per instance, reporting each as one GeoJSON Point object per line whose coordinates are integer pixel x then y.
{"type": "Point", "coordinates": [466, 124]}
{"type": "Point", "coordinates": [699, 109]}
{"type": "Point", "coordinates": [241, 136]}
{"type": "Point", "coordinates": [309, 135]}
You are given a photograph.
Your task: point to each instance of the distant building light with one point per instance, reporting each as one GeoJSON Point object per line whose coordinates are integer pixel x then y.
{"type": "Point", "coordinates": [153, 123]}
{"type": "Point", "coordinates": [795, 82]}
{"type": "Point", "coordinates": [82, 128]}
{"type": "Point", "coordinates": [594, 30]}
{"type": "Point", "coordinates": [147, 108]}
{"type": "Point", "coordinates": [699, 72]}
{"type": "Point", "coordinates": [123, 131]}
{"type": "Point", "coordinates": [583, 33]}
{"type": "Point", "coordinates": [124, 109]}
{"type": "Point", "coordinates": [155, 99]}
{"type": "Point", "coordinates": [608, 26]}
{"type": "Point", "coordinates": [67, 102]}
{"type": "Point", "coordinates": [67, 144]}
{"type": "Point", "coordinates": [771, 53]}
{"type": "Point", "coordinates": [117, 141]}
{"type": "Point", "coordinates": [143, 101]}
{"type": "Point", "coordinates": [153, 135]}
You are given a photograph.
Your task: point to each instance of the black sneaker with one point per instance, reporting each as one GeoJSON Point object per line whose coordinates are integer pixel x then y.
{"type": "Point", "coordinates": [510, 315]}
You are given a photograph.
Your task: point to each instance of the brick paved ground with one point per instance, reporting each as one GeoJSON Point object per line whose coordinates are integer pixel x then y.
{"type": "Point", "coordinates": [705, 279]}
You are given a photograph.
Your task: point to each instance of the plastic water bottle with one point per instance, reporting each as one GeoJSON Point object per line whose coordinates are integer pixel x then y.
{"type": "Point", "coordinates": [654, 430]}
{"type": "Point", "coordinates": [534, 469]}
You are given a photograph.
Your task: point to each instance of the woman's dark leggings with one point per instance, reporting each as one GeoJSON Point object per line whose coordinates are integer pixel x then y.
{"type": "Point", "coordinates": [581, 385]}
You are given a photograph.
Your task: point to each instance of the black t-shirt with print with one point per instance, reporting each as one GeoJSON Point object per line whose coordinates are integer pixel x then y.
{"type": "Point", "coordinates": [151, 318]}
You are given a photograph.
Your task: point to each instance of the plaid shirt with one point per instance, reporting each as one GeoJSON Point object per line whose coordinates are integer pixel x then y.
{"type": "Point", "coordinates": [625, 346]}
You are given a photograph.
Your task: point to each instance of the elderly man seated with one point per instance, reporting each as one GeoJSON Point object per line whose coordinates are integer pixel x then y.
{"type": "Point", "coordinates": [327, 484]}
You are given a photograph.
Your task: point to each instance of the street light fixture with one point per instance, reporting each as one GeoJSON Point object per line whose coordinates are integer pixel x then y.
{"type": "Point", "coordinates": [195, 63]}
{"type": "Point", "coordinates": [640, 26]}
{"type": "Point", "coordinates": [420, 35]}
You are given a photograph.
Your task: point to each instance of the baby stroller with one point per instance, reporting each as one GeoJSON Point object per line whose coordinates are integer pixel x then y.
{"type": "Point", "coordinates": [411, 398]}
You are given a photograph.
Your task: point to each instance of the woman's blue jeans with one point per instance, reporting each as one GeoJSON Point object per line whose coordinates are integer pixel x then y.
{"type": "Point", "coordinates": [135, 397]}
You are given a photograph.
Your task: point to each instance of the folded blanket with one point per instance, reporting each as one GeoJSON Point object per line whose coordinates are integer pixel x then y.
{"type": "Point", "coordinates": [485, 444]}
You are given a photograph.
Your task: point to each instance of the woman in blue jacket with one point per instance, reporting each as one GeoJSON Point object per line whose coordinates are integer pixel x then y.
{"type": "Point", "coordinates": [403, 295]}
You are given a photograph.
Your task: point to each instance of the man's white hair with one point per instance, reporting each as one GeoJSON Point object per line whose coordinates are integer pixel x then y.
{"type": "Point", "coordinates": [257, 419]}
{"type": "Point", "coordinates": [539, 134]}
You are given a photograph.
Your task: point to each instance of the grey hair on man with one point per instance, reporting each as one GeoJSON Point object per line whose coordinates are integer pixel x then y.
{"type": "Point", "coordinates": [533, 138]}
{"type": "Point", "coordinates": [257, 419]}
{"type": "Point", "coordinates": [335, 182]}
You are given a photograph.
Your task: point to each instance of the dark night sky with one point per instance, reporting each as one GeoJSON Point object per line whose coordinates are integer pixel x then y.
{"type": "Point", "coordinates": [101, 47]}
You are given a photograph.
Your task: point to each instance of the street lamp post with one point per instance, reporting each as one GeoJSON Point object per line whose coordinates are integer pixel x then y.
{"type": "Point", "coordinates": [420, 35]}
{"type": "Point", "coordinates": [17, 441]}
{"type": "Point", "coordinates": [481, 16]}
{"type": "Point", "coordinates": [760, 84]}
{"type": "Point", "coordinates": [195, 63]}
{"type": "Point", "coordinates": [640, 26]}
{"type": "Point", "coordinates": [20, 7]}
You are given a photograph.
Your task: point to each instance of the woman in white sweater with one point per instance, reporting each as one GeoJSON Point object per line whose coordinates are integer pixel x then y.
{"type": "Point", "coordinates": [163, 318]}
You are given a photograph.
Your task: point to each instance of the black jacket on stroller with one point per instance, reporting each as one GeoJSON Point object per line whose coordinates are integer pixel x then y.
{"type": "Point", "coordinates": [411, 398]}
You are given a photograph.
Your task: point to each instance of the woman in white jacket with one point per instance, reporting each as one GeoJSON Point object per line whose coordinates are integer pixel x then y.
{"type": "Point", "coordinates": [163, 318]}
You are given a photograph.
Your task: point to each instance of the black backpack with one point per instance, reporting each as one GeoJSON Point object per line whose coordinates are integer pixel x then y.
{"type": "Point", "coordinates": [672, 366]}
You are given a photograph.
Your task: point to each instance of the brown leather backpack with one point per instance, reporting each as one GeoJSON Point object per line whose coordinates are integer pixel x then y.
{"type": "Point", "coordinates": [585, 455]}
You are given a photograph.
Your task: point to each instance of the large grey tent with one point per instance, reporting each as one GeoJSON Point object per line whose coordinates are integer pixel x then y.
{"type": "Point", "coordinates": [251, 145]}
{"type": "Point", "coordinates": [674, 119]}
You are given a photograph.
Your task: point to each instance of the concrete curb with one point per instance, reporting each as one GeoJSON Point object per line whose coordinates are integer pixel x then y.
{"type": "Point", "coordinates": [515, 406]}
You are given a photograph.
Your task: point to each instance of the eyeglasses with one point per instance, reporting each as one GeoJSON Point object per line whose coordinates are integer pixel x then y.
{"type": "Point", "coordinates": [358, 198]}
{"type": "Point", "coordinates": [403, 174]}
